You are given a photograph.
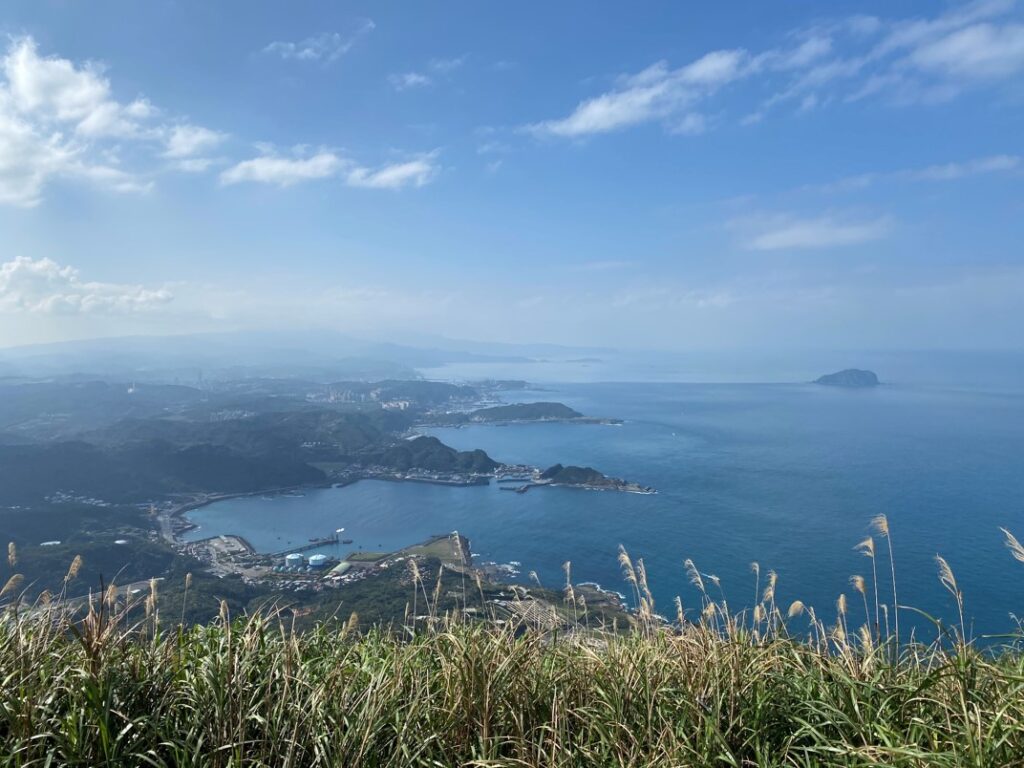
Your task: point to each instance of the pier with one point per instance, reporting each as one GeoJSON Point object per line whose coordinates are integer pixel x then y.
{"type": "Point", "coordinates": [332, 539]}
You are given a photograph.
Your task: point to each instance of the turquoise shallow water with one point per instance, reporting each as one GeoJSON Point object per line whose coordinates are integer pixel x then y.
{"type": "Point", "coordinates": [787, 475]}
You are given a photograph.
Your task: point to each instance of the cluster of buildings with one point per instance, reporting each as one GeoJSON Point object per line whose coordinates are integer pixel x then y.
{"type": "Point", "coordinates": [294, 562]}
{"type": "Point", "coordinates": [70, 497]}
{"type": "Point", "coordinates": [378, 395]}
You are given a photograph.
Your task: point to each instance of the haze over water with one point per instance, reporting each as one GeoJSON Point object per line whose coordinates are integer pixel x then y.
{"type": "Point", "coordinates": [788, 475]}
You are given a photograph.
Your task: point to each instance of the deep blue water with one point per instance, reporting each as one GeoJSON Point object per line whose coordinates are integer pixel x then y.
{"type": "Point", "coordinates": [788, 475]}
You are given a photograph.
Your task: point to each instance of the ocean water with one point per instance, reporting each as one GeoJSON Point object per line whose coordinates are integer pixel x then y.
{"type": "Point", "coordinates": [787, 475]}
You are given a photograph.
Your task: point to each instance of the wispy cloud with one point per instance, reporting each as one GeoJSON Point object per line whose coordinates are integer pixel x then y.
{"type": "Point", "coordinates": [980, 51]}
{"type": "Point", "coordinates": [42, 286]}
{"type": "Point", "coordinates": [283, 171]}
{"type": "Point", "coordinates": [651, 94]}
{"type": "Point", "coordinates": [411, 173]}
{"type": "Point", "coordinates": [326, 47]}
{"type": "Point", "coordinates": [286, 171]}
{"type": "Point", "coordinates": [405, 80]}
{"type": "Point", "coordinates": [786, 232]}
{"type": "Point", "coordinates": [692, 124]}
{"type": "Point", "coordinates": [981, 166]}
{"type": "Point", "coordinates": [858, 57]}
{"type": "Point", "coordinates": [663, 298]}
{"type": "Point", "coordinates": [444, 66]}
{"type": "Point", "coordinates": [436, 68]}
{"type": "Point", "coordinates": [604, 265]}
{"type": "Point", "coordinates": [921, 60]}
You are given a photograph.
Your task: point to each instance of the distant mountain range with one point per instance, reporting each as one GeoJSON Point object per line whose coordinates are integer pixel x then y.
{"type": "Point", "coordinates": [315, 355]}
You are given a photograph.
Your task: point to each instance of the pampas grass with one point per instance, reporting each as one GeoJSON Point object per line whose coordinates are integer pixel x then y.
{"type": "Point", "coordinates": [867, 548]}
{"type": "Point", "coordinates": [948, 580]}
{"type": "Point", "coordinates": [114, 687]}
{"type": "Point", "coordinates": [1015, 547]}
{"type": "Point", "coordinates": [881, 525]}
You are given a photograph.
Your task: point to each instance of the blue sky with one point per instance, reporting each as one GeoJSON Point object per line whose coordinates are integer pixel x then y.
{"type": "Point", "coordinates": [669, 176]}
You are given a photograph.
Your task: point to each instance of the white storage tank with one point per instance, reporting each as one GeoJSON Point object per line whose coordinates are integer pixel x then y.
{"type": "Point", "coordinates": [317, 561]}
{"type": "Point", "coordinates": [294, 560]}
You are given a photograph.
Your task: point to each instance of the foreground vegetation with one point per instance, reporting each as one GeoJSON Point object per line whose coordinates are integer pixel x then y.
{"type": "Point", "coordinates": [770, 687]}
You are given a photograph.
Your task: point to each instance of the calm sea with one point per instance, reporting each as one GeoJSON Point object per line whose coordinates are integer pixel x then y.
{"type": "Point", "coordinates": [788, 475]}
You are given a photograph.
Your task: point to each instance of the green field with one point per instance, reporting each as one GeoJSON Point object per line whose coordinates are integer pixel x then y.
{"type": "Point", "coordinates": [366, 557]}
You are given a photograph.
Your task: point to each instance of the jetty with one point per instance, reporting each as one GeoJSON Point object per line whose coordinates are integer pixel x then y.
{"type": "Point", "coordinates": [311, 544]}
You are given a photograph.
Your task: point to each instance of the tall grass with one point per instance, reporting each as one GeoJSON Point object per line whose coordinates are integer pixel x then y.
{"type": "Point", "coordinates": [757, 688]}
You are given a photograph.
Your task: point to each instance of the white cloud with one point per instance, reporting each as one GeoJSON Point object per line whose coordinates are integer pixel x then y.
{"type": "Point", "coordinates": [59, 119]}
{"type": "Point", "coordinates": [113, 179]}
{"type": "Point", "coordinates": [915, 61]}
{"type": "Point", "coordinates": [444, 66]}
{"type": "Point", "coordinates": [52, 88]}
{"type": "Point", "coordinates": [45, 287]}
{"type": "Point", "coordinates": [193, 164]}
{"type": "Point", "coordinates": [407, 80]}
{"type": "Point", "coordinates": [659, 92]}
{"type": "Point", "coordinates": [776, 233]}
{"type": "Point", "coordinates": [284, 171]}
{"type": "Point", "coordinates": [692, 124]}
{"type": "Point", "coordinates": [940, 172]}
{"type": "Point", "coordinates": [272, 168]}
{"type": "Point", "coordinates": [186, 140]}
{"type": "Point", "coordinates": [492, 148]}
{"type": "Point", "coordinates": [327, 47]}
{"type": "Point", "coordinates": [651, 94]}
{"type": "Point", "coordinates": [663, 298]}
{"type": "Point", "coordinates": [811, 50]}
{"type": "Point", "coordinates": [403, 81]}
{"type": "Point", "coordinates": [980, 51]}
{"type": "Point", "coordinates": [27, 160]}
{"type": "Point", "coordinates": [921, 61]}
{"type": "Point", "coordinates": [412, 173]}
{"type": "Point", "coordinates": [983, 165]}
{"type": "Point", "coordinates": [908, 34]}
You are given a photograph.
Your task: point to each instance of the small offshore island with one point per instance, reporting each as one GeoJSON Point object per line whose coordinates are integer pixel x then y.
{"type": "Point", "coordinates": [850, 378]}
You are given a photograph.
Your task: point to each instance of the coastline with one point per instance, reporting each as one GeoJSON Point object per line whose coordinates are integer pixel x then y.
{"type": "Point", "coordinates": [175, 524]}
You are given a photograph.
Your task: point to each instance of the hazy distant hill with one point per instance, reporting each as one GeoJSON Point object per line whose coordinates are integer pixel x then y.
{"type": "Point", "coordinates": [63, 408]}
{"type": "Point", "coordinates": [431, 454]}
{"type": "Point", "coordinates": [141, 472]}
{"type": "Point", "coordinates": [317, 355]}
{"type": "Point", "coordinates": [525, 412]}
{"type": "Point", "coordinates": [123, 443]}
